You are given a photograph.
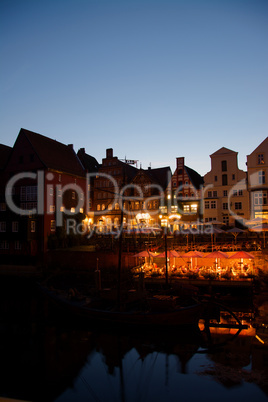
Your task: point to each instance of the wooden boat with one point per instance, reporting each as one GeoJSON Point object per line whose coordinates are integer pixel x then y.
{"type": "Point", "coordinates": [160, 311]}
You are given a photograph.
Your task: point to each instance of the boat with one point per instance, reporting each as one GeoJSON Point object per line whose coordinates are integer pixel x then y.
{"type": "Point", "coordinates": [153, 311]}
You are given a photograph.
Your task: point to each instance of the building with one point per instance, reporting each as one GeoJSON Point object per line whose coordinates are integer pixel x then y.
{"type": "Point", "coordinates": [257, 168]}
{"type": "Point", "coordinates": [113, 175]}
{"type": "Point", "coordinates": [147, 197]}
{"type": "Point", "coordinates": [45, 192]}
{"type": "Point", "coordinates": [225, 194]}
{"type": "Point", "coordinates": [183, 196]}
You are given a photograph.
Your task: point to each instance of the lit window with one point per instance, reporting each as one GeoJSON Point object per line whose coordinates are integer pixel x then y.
{"type": "Point", "coordinates": [53, 226]}
{"type": "Point", "coordinates": [32, 226]}
{"type": "Point", "coordinates": [81, 210]}
{"type": "Point", "coordinates": [73, 195]}
{"type": "Point", "coordinates": [52, 208]}
{"type": "Point", "coordinates": [72, 210]}
{"type": "Point", "coordinates": [103, 207]}
{"type": "Point", "coordinates": [116, 206]}
{"type": "Point", "coordinates": [110, 207]}
{"type": "Point", "coordinates": [194, 208]}
{"type": "Point", "coordinates": [186, 208]}
{"type": "Point", "coordinates": [98, 207]}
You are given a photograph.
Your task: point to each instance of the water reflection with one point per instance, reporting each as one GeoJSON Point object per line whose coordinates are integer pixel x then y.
{"type": "Point", "coordinates": [44, 358]}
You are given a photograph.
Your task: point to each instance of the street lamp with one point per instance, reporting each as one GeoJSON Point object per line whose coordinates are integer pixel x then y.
{"type": "Point", "coordinates": [164, 225]}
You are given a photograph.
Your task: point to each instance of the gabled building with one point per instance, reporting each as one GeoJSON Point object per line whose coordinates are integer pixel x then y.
{"type": "Point", "coordinates": [113, 175]}
{"type": "Point", "coordinates": [45, 191]}
{"type": "Point", "coordinates": [184, 195]}
{"type": "Point", "coordinates": [225, 190]}
{"type": "Point", "coordinates": [147, 194]}
{"type": "Point", "coordinates": [257, 168]}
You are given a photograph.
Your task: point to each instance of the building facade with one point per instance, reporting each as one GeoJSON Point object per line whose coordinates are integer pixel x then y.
{"type": "Point", "coordinates": [225, 198]}
{"type": "Point", "coordinates": [257, 168]}
{"type": "Point", "coordinates": [45, 187]}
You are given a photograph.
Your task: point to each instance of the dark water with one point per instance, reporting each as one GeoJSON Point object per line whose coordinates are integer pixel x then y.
{"type": "Point", "coordinates": [47, 358]}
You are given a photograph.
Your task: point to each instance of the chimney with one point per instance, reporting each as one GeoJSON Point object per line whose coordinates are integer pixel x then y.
{"type": "Point", "coordinates": [109, 153]}
{"type": "Point", "coordinates": [83, 151]}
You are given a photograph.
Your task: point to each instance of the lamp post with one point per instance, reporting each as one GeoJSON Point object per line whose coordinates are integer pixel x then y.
{"type": "Point", "coordinates": [164, 225]}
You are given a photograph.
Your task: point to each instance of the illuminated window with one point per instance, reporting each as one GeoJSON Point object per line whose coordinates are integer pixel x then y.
{"type": "Point", "coordinates": [81, 210]}
{"type": "Point", "coordinates": [110, 207]}
{"type": "Point", "coordinates": [194, 208]}
{"type": "Point", "coordinates": [32, 226]}
{"type": "Point", "coordinates": [116, 206]}
{"type": "Point", "coordinates": [52, 226]}
{"type": "Point", "coordinates": [98, 207]}
{"type": "Point", "coordinates": [73, 195]}
{"type": "Point", "coordinates": [103, 207]}
{"type": "Point", "coordinates": [52, 208]}
{"type": "Point", "coordinates": [73, 210]}
{"type": "Point", "coordinates": [186, 208]}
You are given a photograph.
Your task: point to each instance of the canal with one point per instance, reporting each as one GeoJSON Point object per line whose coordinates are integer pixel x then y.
{"type": "Point", "coordinates": [46, 357]}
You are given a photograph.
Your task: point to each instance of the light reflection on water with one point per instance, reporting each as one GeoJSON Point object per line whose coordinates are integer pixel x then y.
{"type": "Point", "coordinates": [43, 359]}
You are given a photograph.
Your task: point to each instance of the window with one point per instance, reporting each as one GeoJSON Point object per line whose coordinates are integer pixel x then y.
{"type": "Point", "coordinates": [3, 206]}
{"type": "Point", "coordinates": [233, 176]}
{"type": "Point", "coordinates": [2, 227]}
{"type": "Point", "coordinates": [73, 195]}
{"type": "Point", "coordinates": [260, 198]}
{"type": "Point", "coordinates": [225, 205]}
{"type": "Point", "coordinates": [98, 207]}
{"type": "Point", "coordinates": [110, 207]}
{"type": "Point", "coordinates": [4, 245]}
{"type": "Point", "coordinates": [186, 208]}
{"type": "Point", "coordinates": [32, 226]}
{"type": "Point", "coordinates": [260, 159]}
{"type": "Point", "coordinates": [224, 180]}
{"type": "Point", "coordinates": [238, 205]}
{"type": "Point", "coordinates": [194, 208]}
{"type": "Point", "coordinates": [52, 208]}
{"type": "Point", "coordinates": [261, 177]}
{"type": "Point", "coordinates": [28, 193]}
{"type": "Point", "coordinates": [116, 206]}
{"type": "Point", "coordinates": [224, 166]}
{"type": "Point", "coordinates": [225, 220]}
{"type": "Point", "coordinates": [216, 178]}
{"type": "Point", "coordinates": [72, 210]}
{"type": "Point", "coordinates": [15, 226]}
{"type": "Point", "coordinates": [240, 192]}
{"type": "Point", "coordinates": [225, 193]}
{"type": "Point", "coordinates": [81, 210]}
{"type": "Point", "coordinates": [53, 225]}
{"type": "Point", "coordinates": [213, 205]}
{"type": "Point", "coordinates": [215, 194]}
{"type": "Point", "coordinates": [17, 245]}
{"type": "Point", "coordinates": [206, 204]}
{"type": "Point", "coordinates": [234, 193]}
{"type": "Point", "coordinates": [103, 207]}
{"type": "Point", "coordinates": [209, 194]}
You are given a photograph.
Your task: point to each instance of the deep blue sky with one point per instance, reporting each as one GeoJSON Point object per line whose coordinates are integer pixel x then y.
{"type": "Point", "coordinates": [153, 79]}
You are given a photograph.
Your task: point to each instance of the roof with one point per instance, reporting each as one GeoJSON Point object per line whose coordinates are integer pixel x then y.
{"type": "Point", "coordinates": [5, 152]}
{"type": "Point", "coordinates": [196, 180]}
{"type": "Point", "coordinates": [160, 176]}
{"type": "Point", "coordinates": [223, 151]}
{"type": "Point", "coordinates": [89, 162]}
{"type": "Point", "coordinates": [261, 147]}
{"type": "Point", "coordinates": [54, 154]}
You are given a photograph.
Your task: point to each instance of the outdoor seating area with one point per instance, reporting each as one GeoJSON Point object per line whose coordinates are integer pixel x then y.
{"type": "Point", "coordinates": [230, 265]}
